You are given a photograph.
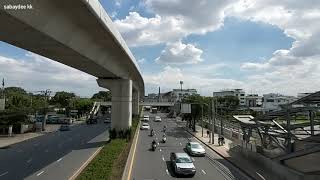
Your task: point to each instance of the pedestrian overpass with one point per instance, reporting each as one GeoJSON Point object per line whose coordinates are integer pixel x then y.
{"type": "Point", "coordinates": [157, 104]}
{"type": "Point", "coordinates": [80, 34]}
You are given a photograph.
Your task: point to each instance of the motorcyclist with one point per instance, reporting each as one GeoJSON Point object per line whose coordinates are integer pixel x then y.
{"type": "Point", "coordinates": [152, 132]}
{"type": "Point", "coordinates": [154, 144]}
{"type": "Point", "coordinates": [164, 128]}
{"type": "Point", "coordinates": [164, 138]}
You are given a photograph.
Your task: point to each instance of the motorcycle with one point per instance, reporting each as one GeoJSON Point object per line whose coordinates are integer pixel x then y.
{"type": "Point", "coordinates": [154, 146]}
{"type": "Point", "coordinates": [164, 139]}
{"type": "Point", "coordinates": [152, 133]}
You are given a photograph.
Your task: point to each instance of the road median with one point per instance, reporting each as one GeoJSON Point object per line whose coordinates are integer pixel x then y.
{"type": "Point", "coordinates": [112, 160]}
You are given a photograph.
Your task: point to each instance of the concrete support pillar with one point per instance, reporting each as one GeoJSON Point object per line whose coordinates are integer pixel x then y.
{"type": "Point", "coordinates": [135, 102]}
{"type": "Point", "coordinates": [121, 111]}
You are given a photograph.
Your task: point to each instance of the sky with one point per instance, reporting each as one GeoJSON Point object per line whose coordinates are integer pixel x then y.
{"type": "Point", "coordinates": [262, 46]}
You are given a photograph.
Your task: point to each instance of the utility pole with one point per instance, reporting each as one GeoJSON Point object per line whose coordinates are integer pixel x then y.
{"type": "Point", "coordinates": [46, 94]}
{"type": "Point", "coordinates": [3, 95]}
{"type": "Point", "coordinates": [202, 119]}
{"type": "Point", "coordinates": [213, 110]}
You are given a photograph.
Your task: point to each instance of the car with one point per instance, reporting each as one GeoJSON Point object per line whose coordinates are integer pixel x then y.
{"type": "Point", "coordinates": [195, 149]}
{"type": "Point", "coordinates": [64, 127]}
{"type": "Point", "coordinates": [107, 120]}
{"type": "Point", "coordinates": [145, 126]}
{"type": "Point", "coordinates": [182, 164]}
{"type": "Point", "coordinates": [157, 119]}
{"type": "Point", "coordinates": [146, 118]}
{"type": "Point", "coordinates": [92, 120]}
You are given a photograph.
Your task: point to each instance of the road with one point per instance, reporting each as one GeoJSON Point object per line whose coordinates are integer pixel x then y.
{"type": "Point", "coordinates": [155, 165]}
{"type": "Point", "coordinates": [56, 155]}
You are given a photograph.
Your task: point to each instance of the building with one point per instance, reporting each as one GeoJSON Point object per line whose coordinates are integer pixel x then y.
{"type": "Point", "coordinates": [301, 95]}
{"type": "Point", "coordinates": [253, 100]}
{"type": "Point", "coordinates": [178, 94]}
{"type": "Point", "coordinates": [152, 97]}
{"type": "Point", "coordinates": [272, 101]}
{"type": "Point", "coordinates": [240, 93]}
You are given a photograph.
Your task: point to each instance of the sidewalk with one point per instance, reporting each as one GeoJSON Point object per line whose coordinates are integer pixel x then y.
{"type": "Point", "coordinates": [231, 152]}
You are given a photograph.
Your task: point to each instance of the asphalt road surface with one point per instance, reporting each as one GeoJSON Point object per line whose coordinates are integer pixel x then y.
{"type": "Point", "coordinates": [57, 155]}
{"type": "Point", "coordinates": [156, 165]}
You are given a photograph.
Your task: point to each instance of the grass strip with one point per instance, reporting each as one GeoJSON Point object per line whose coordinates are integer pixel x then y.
{"type": "Point", "coordinates": [110, 162]}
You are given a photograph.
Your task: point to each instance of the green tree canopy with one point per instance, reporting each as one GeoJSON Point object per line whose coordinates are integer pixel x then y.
{"type": "Point", "coordinates": [83, 105]}
{"type": "Point", "coordinates": [62, 98]}
{"type": "Point", "coordinates": [102, 95]}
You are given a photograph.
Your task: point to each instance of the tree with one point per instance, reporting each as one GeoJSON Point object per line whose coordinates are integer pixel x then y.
{"type": "Point", "coordinates": [83, 105]}
{"type": "Point", "coordinates": [102, 95]}
{"type": "Point", "coordinates": [227, 103]}
{"type": "Point", "coordinates": [62, 98]}
{"type": "Point", "coordinates": [198, 103]}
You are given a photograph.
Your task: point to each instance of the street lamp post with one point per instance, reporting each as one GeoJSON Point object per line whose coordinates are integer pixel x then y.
{"type": "Point", "coordinates": [202, 119]}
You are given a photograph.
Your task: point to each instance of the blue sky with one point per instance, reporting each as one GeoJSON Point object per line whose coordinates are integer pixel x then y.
{"type": "Point", "coordinates": [215, 45]}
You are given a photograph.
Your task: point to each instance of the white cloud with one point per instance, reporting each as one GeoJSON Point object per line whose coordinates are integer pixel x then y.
{"type": "Point", "coordinates": [141, 61]}
{"type": "Point", "coordinates": [113, 14]}
{"type": "Point", "coordinates": [34, 72]}
{"type": "Point", "coordinates": [170, 76]}
{"type": "Point", "coordinates": [179, 53]}
{"type": "Point", "coordinates": [117, 3]}
{"type": "Point", "coordinates": [173, 20]}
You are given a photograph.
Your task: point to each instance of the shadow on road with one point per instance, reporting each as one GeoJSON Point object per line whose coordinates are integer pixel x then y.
{"type": "Point", "coordinates": [44, 150]}
{"type": "Point", "coordinates": [178, 132]}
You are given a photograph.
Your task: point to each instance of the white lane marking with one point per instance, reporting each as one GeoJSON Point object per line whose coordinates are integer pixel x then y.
{"type": "Point", "coordinates": [4, 173]}
{"type": "Point", "coordinates": [180, 144]}
{"type": "Point", "coordinates": [29, 160]}
{"type": "Point", "coordinates": [163, 158]}
{"type": "Point", "coordinates": [59, 160]}
{"type": "Point", "coordinates": [160, 150]}
{"type": "Point", "coordinates": [40, 173]}
{"type": "Point", "coordinates": [203, 171]}
{"type": "Point", "coordinates": [193, 159]}
{"type": "Point", "coordinates": [167, 171]}
{"type": "Point", "coordinates": [260, 176]}
{"type": "Point", "coordinates": [85, 163]}
{"type": "Point", "coordinates": [176, 138]}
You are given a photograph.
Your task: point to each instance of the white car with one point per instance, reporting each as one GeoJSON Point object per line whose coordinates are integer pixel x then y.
{"type": "Point", "coordinates": [146, 118]}
{"type": "Point", "coordinates": [145, 126]}
{"type": "Point", "coordinates": [157, 119]}
{"type": "Point", "coordinates": [195, 149]}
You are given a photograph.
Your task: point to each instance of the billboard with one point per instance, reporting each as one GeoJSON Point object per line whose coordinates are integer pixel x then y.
{"type": "Point", "coordinates": [185, 108]}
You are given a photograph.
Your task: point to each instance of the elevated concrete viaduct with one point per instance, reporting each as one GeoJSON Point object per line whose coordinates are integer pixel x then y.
{"type": "Point", "coordinates": [80, 34]}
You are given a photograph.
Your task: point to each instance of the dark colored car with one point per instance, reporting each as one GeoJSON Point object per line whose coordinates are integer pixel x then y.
{"type": "Point", "coordinates": [92, 121]}
{"type": "Point", "coordinates": [182, 164]}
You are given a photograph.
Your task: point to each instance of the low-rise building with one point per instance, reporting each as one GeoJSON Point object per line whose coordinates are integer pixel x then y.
{"type": "Point", "coordinates": [272, 101]}
{"type": "Point", "coordinates": [253, 100]}
{"type": "Point", "coordinates": [240, 93]}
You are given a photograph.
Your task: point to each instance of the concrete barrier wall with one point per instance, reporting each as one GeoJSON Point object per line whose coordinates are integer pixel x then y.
{"type": "Point", "coordinates": [26, 128]}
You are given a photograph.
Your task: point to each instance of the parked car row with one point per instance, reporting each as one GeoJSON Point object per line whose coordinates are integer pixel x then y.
{"type": "Point", "coordinates": [54, 119]}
